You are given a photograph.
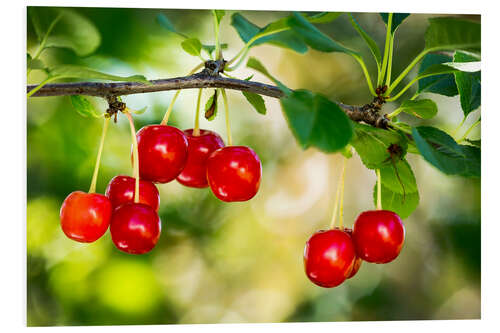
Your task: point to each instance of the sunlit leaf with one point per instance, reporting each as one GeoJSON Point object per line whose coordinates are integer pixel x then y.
{"type": "Point", "coordinates": [468, 84]}
{"type": "Point", "coordinates": [83, 106]}
{"type": "Point", "coordinates": [449, 33]}
{"type": "Point", "coordinates": [192, 46]}
{"type": "Point", "coordinates": [79, 72]}
{"type": "Point", "coordinates": [422, 108]}
{"type": "Point", "coordinates": [256, 100]}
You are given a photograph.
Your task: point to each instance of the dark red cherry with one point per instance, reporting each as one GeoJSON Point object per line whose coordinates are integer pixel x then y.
{"type": "Point", "coordinates": [121, 189]}
{"type": "Point", "coordinates": [85, 216]}
{"type": "Point", "coordinates": [378, 236]}
{"type": "Point", "coordinates": [234, 173]}
{"type": "Point", "coordinates": [329, 257]}
{"type": "Point", "coordinates": [357, 261]}
{"type": "Point", "coordinates": [199, 149]}
{"type": "Point", "coordinates": [135, 228]}
{"type": "Point", "coordinates": [162, 152]}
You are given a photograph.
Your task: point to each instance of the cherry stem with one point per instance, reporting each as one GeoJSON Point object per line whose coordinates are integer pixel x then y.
{"type": "Point", "coordinates": [228, 125]}
{"type": "Point", "coordinates": [135, 154]}
{"type": "Point", "coordinates": [172, 102]}
{"type": "Point", "coordinates": [196, 130]}
{"type": "Point", "coordinates": [341, 213]}
{"type": "Point", "coordinates": [99, 153]}
{"type": "Point", "coordinates": [379, 190]}
{"type": "Point", "coordinates": [340, 188]}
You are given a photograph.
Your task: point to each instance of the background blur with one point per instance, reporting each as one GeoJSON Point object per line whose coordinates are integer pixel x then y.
{"type": "Point", "coordinates": [240, 262]}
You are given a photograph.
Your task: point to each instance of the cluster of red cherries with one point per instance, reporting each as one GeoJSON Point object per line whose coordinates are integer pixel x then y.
{"type": "Point", "coordinates": [196, 158]}
{"type": "Point", "coordinates": [332, 256]}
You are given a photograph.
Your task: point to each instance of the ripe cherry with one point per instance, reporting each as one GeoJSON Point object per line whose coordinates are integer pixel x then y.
{"type": "Point", "coordinates": [121, 189]}
{"type": "Point", "coordinates": [357, 261]}
{"type": "Point", "coordinates": [329, 257]}
{"type": "Point", "coordinates": [135, 228]}
{"type": "Point", "coordinates": [234, 173]}
{"type": "Point", "coordinates": [378, 236]}
{"type": "Point", "coordinates": [85, 216]}
{"type": "Point", "coordinates": [162, 152]}
{"type": "Point", "coordinates": [199, 149]}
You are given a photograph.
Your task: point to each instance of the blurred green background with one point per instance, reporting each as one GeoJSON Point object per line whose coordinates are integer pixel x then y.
{"type": "Point", "coordinates": [240, 262]}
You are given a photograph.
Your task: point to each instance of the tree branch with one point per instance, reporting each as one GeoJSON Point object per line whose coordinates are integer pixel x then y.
{"type": "Point", "coordinates": [199, 80]}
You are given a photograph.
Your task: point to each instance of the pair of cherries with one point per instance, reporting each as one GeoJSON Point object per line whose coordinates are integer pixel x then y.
{"type": "Point", "coordinates": [332, 256]}
{"type": "Point", "coordinates": [135, 227]}
{"type": "Point", "coordinates": [198, 160]}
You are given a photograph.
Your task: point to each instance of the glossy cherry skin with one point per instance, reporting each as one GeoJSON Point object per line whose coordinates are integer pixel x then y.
{"type": "Point", "coordinates": [234, 173]}
{"type": "Point", "coordinates": [84, 216]}
{"type": "Point", "coordinates": [163, 152]}
{"type": "Point", "coordinates": [378, 236]}
{"type": "Point", "coordinates": [121, 189]}
{"type": "Point", "coordinates": [329, 257]}
{"type": "Point", "coordinates": [357, 261]}
{"type": "Point", "coordinates": [135, 228]}
{"type": "Point", "coordinates": [200, 147]}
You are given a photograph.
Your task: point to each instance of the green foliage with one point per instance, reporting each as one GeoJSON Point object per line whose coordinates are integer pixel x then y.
{"type": "Point", "coordinates": [397, 19]}
{"type": "Point", "coordinates": [76, 72]}
{"type": "Point", "coordinates": [256, 100]}
{"type": "Point", "coordinates": [441, 150]}
{"type": "Point", "coordinates": [369, 41]}
{"type": "Point", "coordinates": [257, 65]}
{"type": "Point", "coordinates": [192, 46]}
{"type": "Point", "coordinates": [422, 108]}
{"type": "Point", "coordinates": [449, 33]}
{"type": "Point", "coordinates": [316, 121]}
{"type": "Point", "coordinates": [439, 84]}
{"type": "Point", "coordinates": [468, 84]}
{"type": "Point", "coordinates": [372, 144]}
{"type": "Point", "coordinates": [72, 30]}
{"type": "Point", "coordinates": [219, 14]}
{"type": "Point", "coordinates": [83, 106]}
{"type": "Point", "coordinates": [403, 205]}
{"type": "Point", "coordinates": [211, 107]}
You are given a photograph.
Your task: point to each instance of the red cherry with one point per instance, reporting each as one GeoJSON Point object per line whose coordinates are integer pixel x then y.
{"type": "Point", "coordinates": [135, 228]}
{"type": "Point", "coordinates": [121, 189]}
{"type": "Point", "coordinates": [357, 261]}
{"type": "Point", "coordinates": [199, 149]}
{"type": "Point", "coordinates": [85, 216]}
{"type": "Point", "coordinates": [378, 236]}
{"type": "Point", "coordinates": [329, 257]}
{"type": "Point", "coordinates": [234, 173]}
{"type": "Point", "coordinates": [162, 152]}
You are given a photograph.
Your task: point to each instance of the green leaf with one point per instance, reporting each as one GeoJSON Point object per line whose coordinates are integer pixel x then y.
{"type": "Point", "coordinates": [369, 41]}
{"type": "Point", "coordinates": [166, 24]}
{"type": "Point", "coordinates": [211, 48]}
{"type": "Point", "coordinates": [399, 178]}
{"type": "Point", "coordinates": [192, 46]}
{"type": "Point", "coordinates": [34, 64]}
{"type": "Point", "coordinates": [78, 72]}
{"type": "Point", "coordinates": [256, 100]}
{"type": "Point", "coordinates": [470, 66]}
{"type": "Point", "coordinates": [73, 30]}
{"type": "Point", "coordinates": [372, 144]}
{"type": "Point", "coordinates": [257, 65]}
{"type": "Point", "coordinates": [439, 84]}
{"type": "Point", "coordinates": [316, 121]}
{"type": "Point", "coordinates": [324, 17]}
{"type": "Point", "coordinates": [404, 206]}
{"type": "Point", "coordinates": [422, 108]}
{"type": "Point", "coordinates": [211, 107]}
{"type": "Point", "coordinates": [397, 19]}
{"type": "Point", "coordinates": [449, 33]}
{"type": "Point", "coordinates": [314, 37]}
{"type": "Point", "coordinates": [475, 143]}
{"type": "Point", "coordinates": [83, 106]}
{"type": "Point", "coordinates": [140, 111]}
{"type": "Point", "coordinates": [441, 150]}
{"type": "Point", "coordinates": [247, 30]}
{"type": "Point", "coordinates": [468, 84]}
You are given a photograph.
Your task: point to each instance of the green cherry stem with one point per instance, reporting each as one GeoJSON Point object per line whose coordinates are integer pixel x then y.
{"type": "Point", "coordinates": [99, 154]}
{"type": "Point", "coordinates": [135, 154]}
{"type": "Point", "coordinates": [379, 190]}
{"type": "Point", "coordinates": [172, 102]}
{"type": "Point", "coordinates": [228, 124]}
{"type": "Point", "coordinates": [196, 130]}
{"type": "Point", "coordinates": [339, 197]}
{"type": "Point", "coordinates": [386, 49]}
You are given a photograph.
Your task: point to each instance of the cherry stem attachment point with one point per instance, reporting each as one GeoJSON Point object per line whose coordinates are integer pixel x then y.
{"type": "Point", "coordinates": [228, 124]}
{"type": "Point", "coordinates": [379, 190]}
{"type": "Point", "coordinates": [99, 153]}
{"type": "Point", "coordinates": [135, 154]}
{"type": "Point", "coordinates": [339, 196]}
{"type": "Point", "coordinates": [196, 130]}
